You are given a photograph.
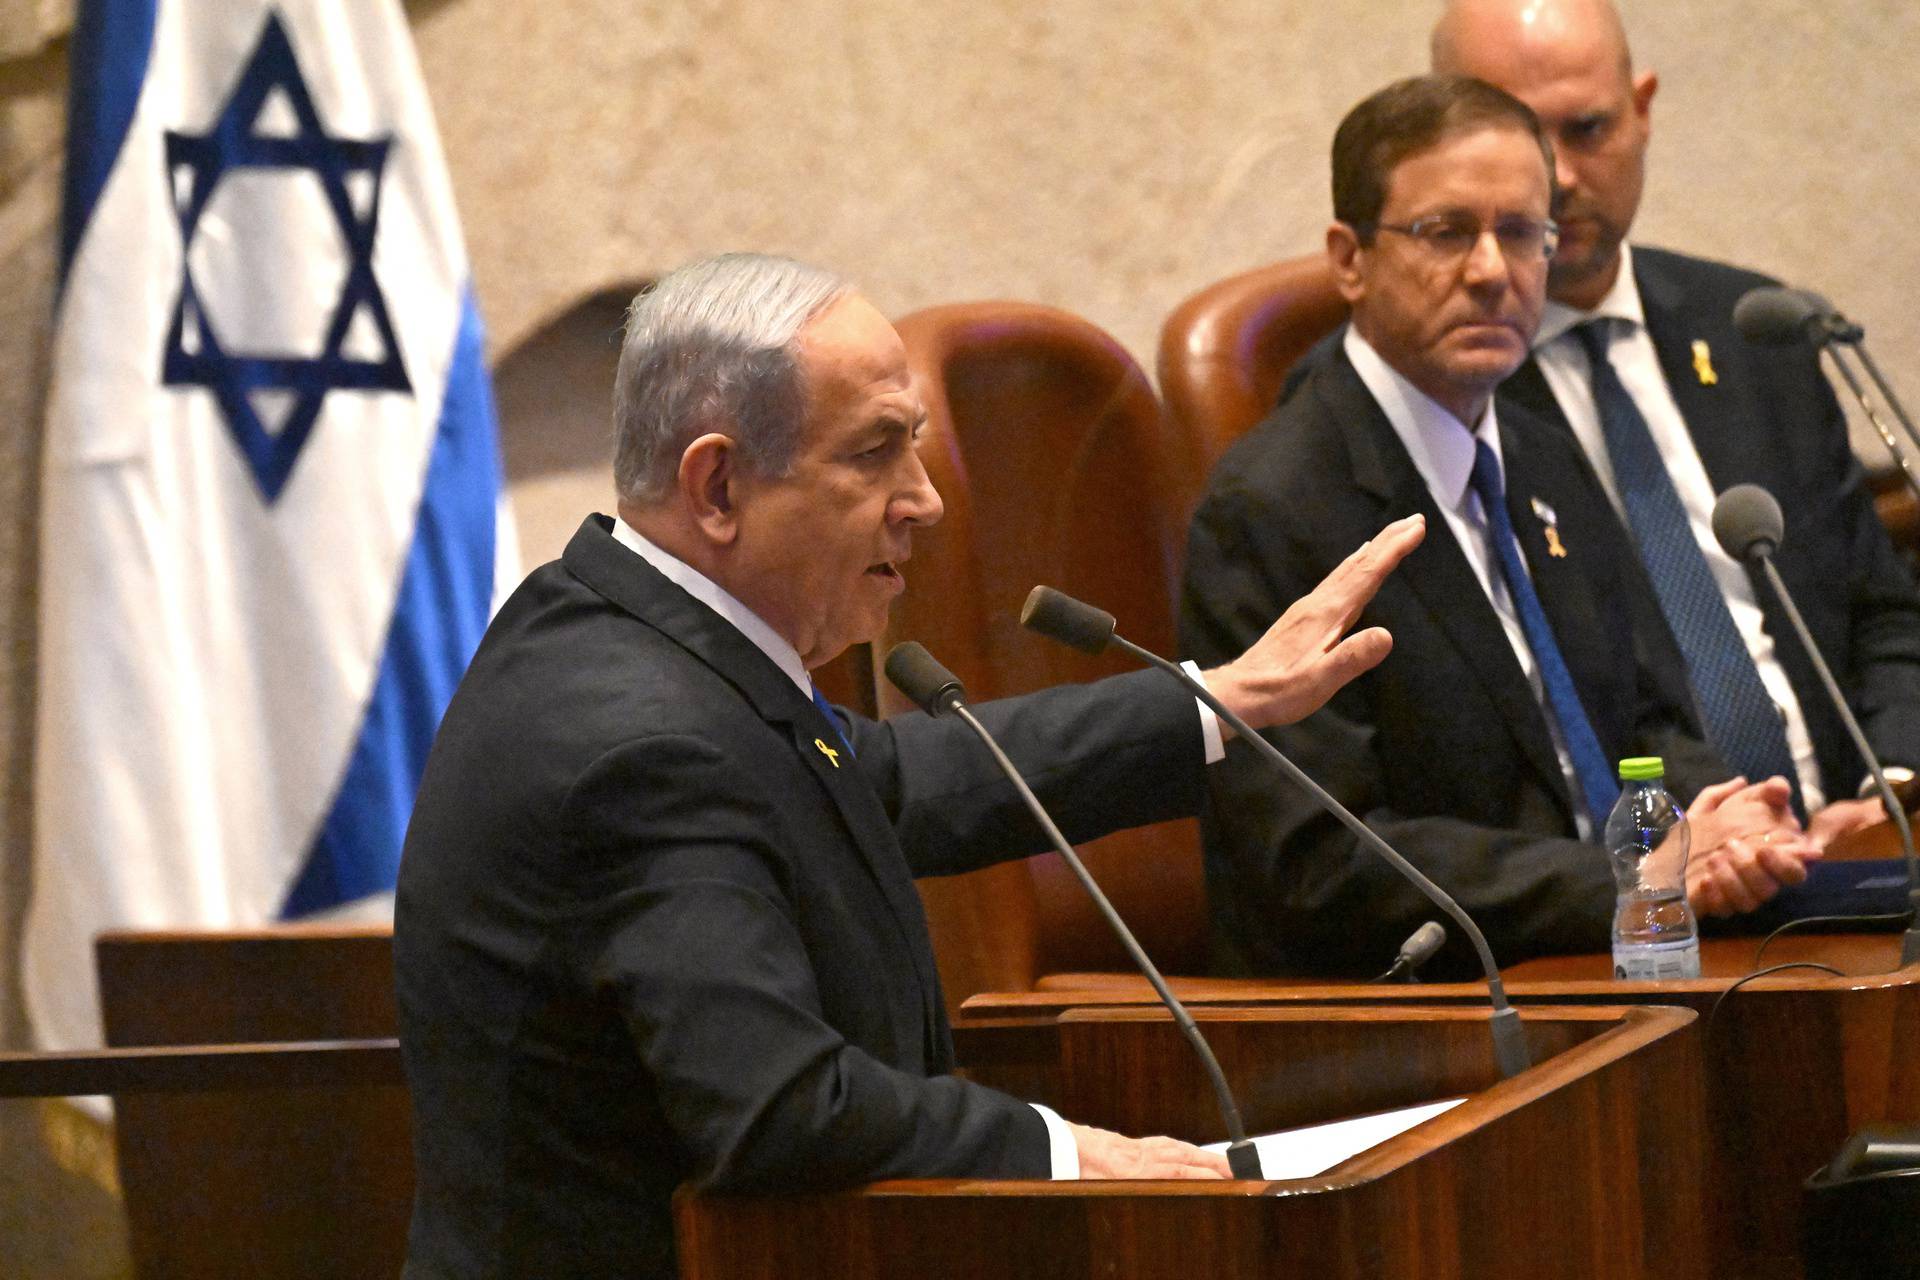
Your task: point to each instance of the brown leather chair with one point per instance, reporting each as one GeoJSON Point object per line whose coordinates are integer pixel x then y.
{"type": "Point", "coordinates": [1225, 352]}
{"type": "Point", "coordinates": [1056, 466]}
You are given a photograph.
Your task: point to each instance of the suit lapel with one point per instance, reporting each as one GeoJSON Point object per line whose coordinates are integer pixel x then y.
{"type": "Point", "coordinates": [1438, 573]}
{"type": "Point", "coordinates": [1675, 328]}
{"type": "Point", "coordinates": [866, 820]}
{"type": "Point", "coordinates": [637, 587]}
{"type": "Point", "coordinates": [1528, 388]}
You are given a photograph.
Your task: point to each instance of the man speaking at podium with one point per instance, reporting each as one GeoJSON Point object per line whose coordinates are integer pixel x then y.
{"type": "Point", "coordinates": [656, 920]}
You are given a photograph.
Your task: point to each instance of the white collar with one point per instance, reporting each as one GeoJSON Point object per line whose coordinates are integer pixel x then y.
{"type": "Point", "coordinates": [1439, 443]}
{"type": "Point", "coordinates": [1621, 303]}
{"type": "Point", "coordinates": [715, 597]}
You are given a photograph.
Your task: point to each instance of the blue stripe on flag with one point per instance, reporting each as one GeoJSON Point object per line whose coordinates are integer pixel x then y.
{"type": "Point", "coordinates": [106, 66]}
{"type": "Point", "coordinates": [446, 592]}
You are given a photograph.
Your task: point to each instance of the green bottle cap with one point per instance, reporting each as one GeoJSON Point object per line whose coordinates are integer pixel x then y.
{"type": "Point", "coordinates": [1642, 768]}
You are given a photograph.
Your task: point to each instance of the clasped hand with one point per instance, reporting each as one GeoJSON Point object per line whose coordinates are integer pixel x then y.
{"type": "Point", "coordinates": [1747, 844]}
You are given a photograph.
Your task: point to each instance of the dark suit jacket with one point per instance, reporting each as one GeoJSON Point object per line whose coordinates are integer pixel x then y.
{"type": "Point", "coordinates": [648, 931]}
{"type": "Point", "coordinates": [1443, 748]}
{"type": "Point", "coordinates": [1771, 419]}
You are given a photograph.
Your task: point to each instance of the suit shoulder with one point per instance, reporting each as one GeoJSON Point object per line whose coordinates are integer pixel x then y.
{"type": "Point", "coordinates": [1289, 449]}
{"type": "Point", "coordinates": [1698, 277]}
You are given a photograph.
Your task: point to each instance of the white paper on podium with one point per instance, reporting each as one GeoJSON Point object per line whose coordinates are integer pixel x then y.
{"type": "Point", "coordinates": [1316, 1148]}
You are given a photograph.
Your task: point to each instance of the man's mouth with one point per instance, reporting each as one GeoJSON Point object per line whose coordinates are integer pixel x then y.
{"type": "Point", "coordinates": [885, 569]}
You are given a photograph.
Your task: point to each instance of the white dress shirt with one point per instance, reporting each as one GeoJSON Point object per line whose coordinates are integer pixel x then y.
{"type": "Point", "coordinates": [1442, 449]}
{"type": "Point", "coordinates": [1563, 362]}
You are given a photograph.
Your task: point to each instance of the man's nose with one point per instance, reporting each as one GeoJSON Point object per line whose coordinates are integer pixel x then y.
{"type": "Point", "coordinates": [1565, 177]}
{"type": "Point", "coordinates": [919, 503]}
{"type": "Point", "coordinates": [1486, 262]}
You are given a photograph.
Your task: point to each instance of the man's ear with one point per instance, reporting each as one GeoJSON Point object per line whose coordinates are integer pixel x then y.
{"type": "Point", "coordinates": [1645, 85]}
{"type": "Point", "coordinates": [708, 481]}
{"type": "Point", "coordinates": [1343, 255]}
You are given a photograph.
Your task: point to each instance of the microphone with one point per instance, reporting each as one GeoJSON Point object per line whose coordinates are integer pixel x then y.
{"type": "Point", "coordinates": [937, 691]}
{"type": "Point", "coordinates": [1060, 617]}
{"type": "Point", "coordinates": [1414, 952]}
{"type": "Point", "coordinates": [1774, 316]}
{"type": "Point", "coordinates": [1748, 524]}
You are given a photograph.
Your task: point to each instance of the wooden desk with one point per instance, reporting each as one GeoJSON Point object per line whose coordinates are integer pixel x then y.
{"type": "Point", "coordinates": [1795, 1061]}
{"type": "Point", "coordinates": [1589, 1164]}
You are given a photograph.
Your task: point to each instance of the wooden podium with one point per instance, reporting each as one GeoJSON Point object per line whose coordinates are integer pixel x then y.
{"type": "Point", "coordinates": [1794, 1062]}
{"type": "Point", "coordinates": [1590, 1163]}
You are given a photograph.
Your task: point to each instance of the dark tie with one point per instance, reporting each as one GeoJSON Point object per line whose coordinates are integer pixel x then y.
{"type": "Point", "coordinates": [1590, 764]}
{"type": "Point", "coordinates": [1741, 719]}
{"type": "Point", "coordinates": [833, 718]}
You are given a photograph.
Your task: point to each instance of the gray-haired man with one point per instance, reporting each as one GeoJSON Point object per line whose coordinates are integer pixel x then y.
{"type": "Point", "coordinates": [656, 918]}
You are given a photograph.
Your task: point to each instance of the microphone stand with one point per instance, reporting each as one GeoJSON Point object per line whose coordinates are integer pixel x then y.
{"type": "Point", "coordinates": [1867, 407]}
{"type": "Point", "coordinates": [1509, 1037]}
{"type": "Point", "coordinates": [1242, 1156]}
{"type": "Point", "coordinates": [1896, 812]}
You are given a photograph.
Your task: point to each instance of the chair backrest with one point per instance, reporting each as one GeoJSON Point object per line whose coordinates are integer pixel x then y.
{"type": "Point", "coordinates": [1056, 465]}
{"type": "Point", "coordinates": [260, 1181]}
{"type": "Point", "coordinates": [1226, 351]}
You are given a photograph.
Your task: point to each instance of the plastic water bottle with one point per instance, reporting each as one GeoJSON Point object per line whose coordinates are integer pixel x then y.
{"type": "Point", "coordinates": [1654, 933]}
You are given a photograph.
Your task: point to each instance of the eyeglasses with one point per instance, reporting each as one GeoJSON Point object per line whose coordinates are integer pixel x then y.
{"type": "Point", "coordinates": [1450, 237]}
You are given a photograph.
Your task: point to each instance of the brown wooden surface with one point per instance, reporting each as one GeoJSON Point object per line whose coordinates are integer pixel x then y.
{"type": "Point", "coordinates": [1056, 465]}
{"type": "Point", "coordinates": [261, 1181]}
{"type": "Point", "coordinates": [200, 1069]}
{"type": "Point", "coordinates": [1796, 1061]}
{"type": "Point", "coordinates": [1622, 1097]}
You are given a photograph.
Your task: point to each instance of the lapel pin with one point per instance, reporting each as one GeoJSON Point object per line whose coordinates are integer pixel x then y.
{"type": "Point", "coordinates": [1551, 525]}
{"type": "Point", "coordinates": [833, 757]}
{"type": "Point", "coordinates": [1703, 363]}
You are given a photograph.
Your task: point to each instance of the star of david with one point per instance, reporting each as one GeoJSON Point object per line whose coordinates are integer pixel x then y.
{"type": "Point", "coordinates": [199, 356]}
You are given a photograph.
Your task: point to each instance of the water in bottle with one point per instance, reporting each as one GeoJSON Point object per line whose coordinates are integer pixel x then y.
{"type": "Point", "coordinates": [1654, 933]}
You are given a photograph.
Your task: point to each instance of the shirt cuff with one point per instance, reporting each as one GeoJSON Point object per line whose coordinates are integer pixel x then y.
{"type": "Point", "coordinates": [1209, 722]}
{"type": "Point", "coordinates": [1061, 1151]}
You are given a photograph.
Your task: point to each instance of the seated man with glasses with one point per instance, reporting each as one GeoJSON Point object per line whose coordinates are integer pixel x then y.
{"type": "Point", "coordinates": [1529, 654]}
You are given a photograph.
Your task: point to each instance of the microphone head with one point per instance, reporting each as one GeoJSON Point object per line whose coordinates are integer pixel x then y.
{"type": "Point", "coordinates": [1747, 522]}
{"type": "Point", "coordinates": [1776, 317]}
{"type": "Point", "coordinates": [1059, 616]}
{"type": "Point", "coordinates": [919, 675]}
{"type": "Point", "coordinates": [1421, 944]}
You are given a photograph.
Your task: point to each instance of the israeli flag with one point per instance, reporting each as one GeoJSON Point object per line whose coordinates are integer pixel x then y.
{"type": "Point", "coordinates": [269, 540]}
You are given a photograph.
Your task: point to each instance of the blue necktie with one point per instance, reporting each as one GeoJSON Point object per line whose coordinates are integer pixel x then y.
{"type": "Point", "coordinates": [1590, 764]}
{"type": "Point", "coordinates": [833, 718]}
{"type": "Point", "coordinates": [1741, 720]}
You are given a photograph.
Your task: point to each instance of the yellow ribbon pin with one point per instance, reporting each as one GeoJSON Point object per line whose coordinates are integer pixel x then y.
{"type": "Point", "coordinates": [1551, 526]}
{"type": "Point", "coordinates": [1703, 363]}
{"type": "Point", "coordinates": [833, 757]}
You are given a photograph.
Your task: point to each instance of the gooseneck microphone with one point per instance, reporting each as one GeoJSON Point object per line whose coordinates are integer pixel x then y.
{"type": "Point", "coordinates": [1775, 316]}
{"type": "Point", "coordinates": [1081, 626]}
{"type": "Point", "coordinates": [1414, 952]}
{"type": "Point", "coordinates": [1772, 316]}
{"type": "Point", "coordinates": [935, 690]}
{"type": "Point", "coordinates": [1747, 521]}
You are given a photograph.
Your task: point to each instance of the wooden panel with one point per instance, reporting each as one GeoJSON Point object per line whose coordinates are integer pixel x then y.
{"type": "Point", "coordinates": [1623, 1100]}
{"type": "Point", "coordinates": [304, 1181]}
{"type": "Point", "coordinates": [1796, 1061]}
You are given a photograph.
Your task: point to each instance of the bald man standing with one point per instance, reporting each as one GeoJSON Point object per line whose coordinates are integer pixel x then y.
{"type": "Point", "coordinates": [1637, 355]}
